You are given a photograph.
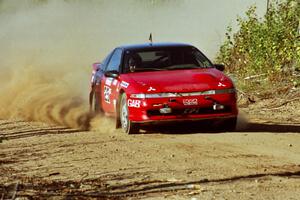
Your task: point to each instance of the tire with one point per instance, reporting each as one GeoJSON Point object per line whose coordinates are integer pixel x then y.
{"type": "Point", "coordinates": [127, 126]}
{"type": "Point", "coordinates": [97, 103]}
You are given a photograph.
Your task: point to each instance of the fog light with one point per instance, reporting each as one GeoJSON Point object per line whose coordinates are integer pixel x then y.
{"type": "Point", "coordinates": [165, 110]}
{"type": "Point", "coordinates": [218, 106]}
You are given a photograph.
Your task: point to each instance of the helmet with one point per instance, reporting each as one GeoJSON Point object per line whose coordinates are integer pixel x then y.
{"type": "Point", "coordinates": [134, 62]}
{"type": "Point", "coordinates": [131, 62]}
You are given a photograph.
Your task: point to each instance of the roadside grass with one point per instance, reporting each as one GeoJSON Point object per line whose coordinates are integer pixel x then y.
{"type": "Point", "coordinates": [263, 55]}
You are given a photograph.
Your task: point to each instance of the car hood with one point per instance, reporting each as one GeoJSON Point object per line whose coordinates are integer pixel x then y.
{"type": "Point", "coordinates": [180, 80]}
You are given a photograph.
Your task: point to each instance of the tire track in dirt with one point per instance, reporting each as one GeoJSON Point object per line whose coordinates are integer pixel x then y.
{"type": "Point", "coordinates": [20, 129]}
{"type": "Point", "coordinates": [83, 165]}
{"type": "Point", "coordinates": [38, 132]}
{"type": "Point", "coordinates": [103, 187]}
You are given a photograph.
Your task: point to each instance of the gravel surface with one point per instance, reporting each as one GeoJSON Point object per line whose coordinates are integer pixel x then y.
{"type": "Point", "coordinates": [259, 161]}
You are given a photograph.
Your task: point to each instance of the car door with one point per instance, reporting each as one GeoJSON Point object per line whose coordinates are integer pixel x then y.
{"type": "Point", "coordinates": [109, 84]}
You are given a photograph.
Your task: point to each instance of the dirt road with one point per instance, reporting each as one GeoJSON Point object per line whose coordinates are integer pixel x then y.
{"type": "Point", "coordinates": [260, 161]}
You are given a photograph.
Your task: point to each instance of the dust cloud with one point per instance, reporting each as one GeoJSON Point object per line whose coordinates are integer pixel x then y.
{"type": "Point", "coordinates": [47, 47]}
{"type": "Point", "coordinates": [45, 63]}
{"type": "Point", "coordinates": [33, 96]}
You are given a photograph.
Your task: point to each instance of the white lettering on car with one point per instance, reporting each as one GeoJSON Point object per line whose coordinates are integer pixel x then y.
{"type": "Point", "coordinates": [107, 93]}
{"type": "Point", "coordinates": [108, 81]}
{"type": "Point", "coordinates": [115, 82]}
{"type": "Point", "coordinates": [151, 89]}
{"type": "Point", "coordinates": [190, 102]}
{"type": "Point", "coordinates": [134, 103]}
{"type": "Point", "coordinates": [221, 84]}
{"type": "Point", "coordinates": [124, 84]}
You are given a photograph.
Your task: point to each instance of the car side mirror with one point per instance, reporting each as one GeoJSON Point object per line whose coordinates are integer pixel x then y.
{"type": "Point", "coordinates": [220, 67]}
{"type": "Point", "coordinates": [112, 74]}
{"type": "Point", "coordinates": [96, 66]}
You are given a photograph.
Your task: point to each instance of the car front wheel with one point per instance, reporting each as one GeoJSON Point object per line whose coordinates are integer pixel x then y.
{"type": "Point", "coordinates": [127, 126]}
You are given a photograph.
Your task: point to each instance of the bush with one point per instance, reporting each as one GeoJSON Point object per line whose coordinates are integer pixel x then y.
{"type": "Point", "coordinates": [268, 46]}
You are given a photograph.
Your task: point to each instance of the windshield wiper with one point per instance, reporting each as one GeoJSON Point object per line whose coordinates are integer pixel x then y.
{"type": "Point", "coordinates": [149, 68]}
{"type": "Point", "coordinates": [182, 67]}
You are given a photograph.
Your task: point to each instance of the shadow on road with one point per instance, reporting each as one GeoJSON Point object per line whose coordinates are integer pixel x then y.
{"type": "Point", "coordinates": [205, 127]}
{"type": "Point", "coordinates": [275, 128]}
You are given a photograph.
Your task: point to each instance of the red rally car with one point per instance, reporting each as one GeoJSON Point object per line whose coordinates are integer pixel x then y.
{"type": "Point", "coordinates": [159, 82]}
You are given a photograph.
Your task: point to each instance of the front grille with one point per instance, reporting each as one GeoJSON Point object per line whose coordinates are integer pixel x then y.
{"type": "Point", "coordinates": [190, 111]}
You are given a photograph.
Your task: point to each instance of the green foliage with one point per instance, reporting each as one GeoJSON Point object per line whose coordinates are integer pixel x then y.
{"type": "Point", "coordinates": [270, 45]}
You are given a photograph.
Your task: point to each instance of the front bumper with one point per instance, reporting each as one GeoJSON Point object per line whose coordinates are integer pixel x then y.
{"type": "Point", "coordinates": [201, 107]}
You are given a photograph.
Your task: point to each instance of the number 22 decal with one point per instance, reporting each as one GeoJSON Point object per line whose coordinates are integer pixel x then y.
{"type": "Point", "coordinates": [107, 93]}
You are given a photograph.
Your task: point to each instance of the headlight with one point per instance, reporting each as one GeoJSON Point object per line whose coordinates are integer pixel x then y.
{"type": "Point", "coordinates": [184, 94]}
{"type": "Point", "coordinates": [161, 95]}
{"type": "Point", "coordinates": [138, 96]}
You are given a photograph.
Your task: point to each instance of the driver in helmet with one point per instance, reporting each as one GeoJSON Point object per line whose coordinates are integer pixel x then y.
{"type": "Point", "coordinates": [132, 64]}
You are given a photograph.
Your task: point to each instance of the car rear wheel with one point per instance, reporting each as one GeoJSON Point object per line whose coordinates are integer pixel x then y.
{"type": "Point", "coordinates": [127, 126]}
{"type": "Point", "coordinates": [97, 103]}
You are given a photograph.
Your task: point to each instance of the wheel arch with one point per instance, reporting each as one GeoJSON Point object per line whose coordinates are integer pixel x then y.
{"type": "Point", "coordinates": [118, 123]}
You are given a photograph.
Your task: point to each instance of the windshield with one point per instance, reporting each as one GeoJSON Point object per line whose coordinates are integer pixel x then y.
{"type": "Point", "coordinates": [165, 59]}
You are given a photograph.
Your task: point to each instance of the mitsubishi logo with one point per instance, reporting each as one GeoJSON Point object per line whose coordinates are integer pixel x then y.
{"type": "Point", "coordinates": [221, 85]}
{"type": "Point", "coordinates": [151, 89]}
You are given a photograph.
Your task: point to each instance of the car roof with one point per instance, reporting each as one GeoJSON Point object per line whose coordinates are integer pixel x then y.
{"type": "Point", "coordinates": [146, 46]}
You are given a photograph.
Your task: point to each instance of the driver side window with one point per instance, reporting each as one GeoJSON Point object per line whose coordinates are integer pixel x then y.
{"type": "Point", "coordinates": [115, 61]}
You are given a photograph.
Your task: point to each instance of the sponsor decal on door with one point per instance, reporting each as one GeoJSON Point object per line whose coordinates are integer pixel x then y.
{"type": "Point", "coordinates": [107, 93]}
